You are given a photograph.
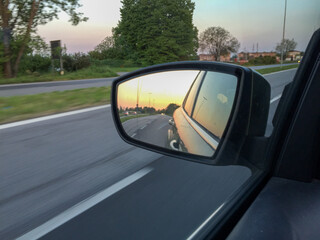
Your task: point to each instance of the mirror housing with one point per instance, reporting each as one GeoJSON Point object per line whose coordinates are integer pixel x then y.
{"type": "Point", "coordinates": [248, 117]}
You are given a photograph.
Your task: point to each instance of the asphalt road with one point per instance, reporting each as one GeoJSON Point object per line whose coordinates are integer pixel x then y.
{"type": "Point", "coordinates": [34, 88]}
{"type": "Point", "coordinates": [152, 129]}
{"type": "Point", "coordinates": [49, 166]}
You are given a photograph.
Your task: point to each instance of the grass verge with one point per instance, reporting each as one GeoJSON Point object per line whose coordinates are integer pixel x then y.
{"type": "Point", "coordinates": [87, 73]}
{"type": "Point", "coordinates": [98, 72]}
{"type": "Point", "coordinates": [124, 119]}
{"type": "Point", "coordinates": [276, 69]}
{"type": "Point", "coordinates": [29, 106]}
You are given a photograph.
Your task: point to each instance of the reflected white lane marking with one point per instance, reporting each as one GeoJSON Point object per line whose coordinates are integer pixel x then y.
{"type": "Point", "coordinates": [133, 135]}
{"type": "Point", "coordinates": [275, 98]}
{"type": "Point", "coordinates": [83, 206]}
{"type": "Point", "coordinates": [40, 119]}
{"type": "Point", "coordinates": [144, 127]}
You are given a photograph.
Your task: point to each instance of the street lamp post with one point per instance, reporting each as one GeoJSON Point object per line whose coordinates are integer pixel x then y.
{"type": "Point", "coordinates": [284, 28]}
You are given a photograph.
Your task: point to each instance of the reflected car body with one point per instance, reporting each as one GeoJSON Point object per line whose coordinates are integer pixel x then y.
{"type": "Point", "coordinates": [187, 136]}
{"type": "Point", "coordinates": [199, 124]}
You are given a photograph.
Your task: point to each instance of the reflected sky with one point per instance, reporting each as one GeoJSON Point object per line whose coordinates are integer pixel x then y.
{"type": "Point", "coordinates": [156, 90]}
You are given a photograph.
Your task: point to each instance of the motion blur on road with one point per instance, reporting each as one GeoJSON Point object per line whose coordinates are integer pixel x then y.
{"type": "Point", "coordinates": [51, 165]}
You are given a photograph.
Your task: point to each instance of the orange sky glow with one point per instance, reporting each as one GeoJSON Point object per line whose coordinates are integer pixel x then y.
{"type": "Point", "coordinates": [156, 90]}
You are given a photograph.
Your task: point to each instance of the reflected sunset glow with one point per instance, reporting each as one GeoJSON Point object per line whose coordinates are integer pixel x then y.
{"type": "Point", "coordinates": [156, 90]}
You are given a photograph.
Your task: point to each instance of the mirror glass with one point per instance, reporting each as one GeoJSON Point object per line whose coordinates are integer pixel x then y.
{"type": "Point", "coordinates": [183, 110]}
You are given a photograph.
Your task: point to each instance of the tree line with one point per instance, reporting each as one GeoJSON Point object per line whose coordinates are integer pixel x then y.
{"type": "Point", "coordinates": [149, 32]}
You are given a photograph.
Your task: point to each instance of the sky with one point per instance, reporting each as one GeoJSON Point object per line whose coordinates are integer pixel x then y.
{"type": "Point", "coordinates": [250, 21]}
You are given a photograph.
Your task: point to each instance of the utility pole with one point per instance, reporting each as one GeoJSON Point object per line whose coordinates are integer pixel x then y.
{"type": "Point", "coordinates": [284, 29]}
{"type": "Point", "coordinates": [149, 99]}
{"type": "Point", "coordinates": [257, 47]}
{"type": "Point", "coordinates": [245, 53]}
{"type": "Point", "coordinates": [137, 105]}
{"type": "Point", "coordinates": [138, 94]}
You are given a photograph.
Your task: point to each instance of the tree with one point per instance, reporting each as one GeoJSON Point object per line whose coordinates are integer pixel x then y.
{"type": "Point", "coordinates": [106, 50]}
{"type": "Point", "coordinates": [156, 31]}
{"type": "Point", "coordinates": [105, 45]}
{"type": "Point", "coordinates": [287, 45]}
{"type": "Point", "coordinates": [171, 108]}
{"type": "Point", "coordinates": [218, 42]}
{"type": "Point", "coordinates": [19, 20]}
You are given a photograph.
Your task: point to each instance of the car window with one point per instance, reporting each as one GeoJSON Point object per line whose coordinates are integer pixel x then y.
{"type": "Point", "coordinates": [189, 102]}
{"type": "Point", "coordinates": [214, 102]}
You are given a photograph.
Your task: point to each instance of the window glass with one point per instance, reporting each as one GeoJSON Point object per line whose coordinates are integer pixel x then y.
{"type": "Point", "coordinates": [214, 102]}
{"type": "Point", "coordinates": [188, 106]}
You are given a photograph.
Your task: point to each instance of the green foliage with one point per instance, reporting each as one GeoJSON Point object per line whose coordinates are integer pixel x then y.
{"type": "Point", "coordinates": [171, 108]}
{"type": "Point", "coordinates": [156, 31]}
{"type": "Point", "coordinates": [86, 73]}
{"type": "Point", "coordinates": [30, 106]}
{"type": "Point", "coordinates": [119, 63]}
{"type": "Point", "coordinates": [19, 20]}
{"type": "Point", "coordinates": [47, 10]}
{"type": "Point", "coordinates": [277, 69]}
{"type": "Point", "coordinates": [106, 50]}
{"type": "Point", "coordinates": [76, 61]}
{"type": "Point", "coordinates": [111, 53]}
{"type": "Point", "coordinates": [263, 60]}
{"type": "Point", "coordinates": [124, 119]}
{"type": "Point", "coordinates": [2, 59]}
{"type": "Point", "coordinates": [35, 63]}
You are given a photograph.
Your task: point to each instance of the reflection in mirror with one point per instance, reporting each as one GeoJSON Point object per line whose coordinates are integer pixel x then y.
{"type": "Point", "coordinates": [179, 110]}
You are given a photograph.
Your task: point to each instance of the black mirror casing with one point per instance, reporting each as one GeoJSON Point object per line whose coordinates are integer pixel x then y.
{"type": "Point", "coordinates": [248, 118]}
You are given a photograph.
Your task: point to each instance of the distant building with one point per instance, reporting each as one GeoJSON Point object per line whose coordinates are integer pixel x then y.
{"type": "Point", "coordinates": [293, 55]}
{"type": "Point", "coordinates": [210, 57]}
{"type": "Point", "coordinates": [250, 55]}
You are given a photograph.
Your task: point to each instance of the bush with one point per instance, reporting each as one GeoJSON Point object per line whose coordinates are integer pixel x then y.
{"type": "Point", "coordinates": [263, 60]}
{"type": "Point", "coordinates": [34, 63]}
{"type": "Point", "coordinates": [114, 63]}
{"type": "Point", "coordinates": [76, 61]}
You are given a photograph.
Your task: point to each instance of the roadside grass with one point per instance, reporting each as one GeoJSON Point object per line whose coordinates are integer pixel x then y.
{"type": "Point", "coordinates": [87, 73]}
{"type": "Point", "coordinates": [263, 64]}
{"type": "Point", "coordinates": [276, 69]}
{"type": "Point", "coordinates": [124, 119]}
{"type": "Point", "coordinates": [30, 106]}
{"type": "Point", "coordinates": [97, 72]}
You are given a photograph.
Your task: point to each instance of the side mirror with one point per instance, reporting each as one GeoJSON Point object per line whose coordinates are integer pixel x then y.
{"type": "Point", "coordinates": [199, 111]}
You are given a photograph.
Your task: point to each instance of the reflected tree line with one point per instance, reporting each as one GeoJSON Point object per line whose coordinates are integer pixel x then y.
{"type": "Point", "coordinates": [169, 110]}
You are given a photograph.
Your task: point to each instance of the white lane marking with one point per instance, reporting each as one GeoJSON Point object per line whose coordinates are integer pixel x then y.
{"type": "Point", "coordinates": [143, 127]}
{"type": "Point", "coordinates": [133, 135]}
{"type": "Point", "coordinates": [40, 119]}
{"type": "Point", "coordinates": [279, 71]}
{"type": "Point", "coordinates": [275, 98]}
{"type": "Point", "coordinates": [204, 223]}
{"type": "Point", "coordinates": [83, 206]}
